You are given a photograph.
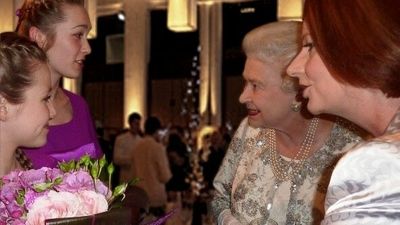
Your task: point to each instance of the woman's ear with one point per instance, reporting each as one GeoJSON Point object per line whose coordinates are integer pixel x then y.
{"type": "Point", "coordinates": [37, 36]}
{"type": "Point", "coordinates": [3, 108]}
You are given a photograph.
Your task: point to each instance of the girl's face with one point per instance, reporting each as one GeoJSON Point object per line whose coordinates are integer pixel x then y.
{"type": "Point", "coordinates": [324, 92]}
{"type": "Point", "coordinates": [28, 121]}
{"type": "Point", "coordinates": [70, 44]}
{"type": "Point", "coordinates": [267, 104]}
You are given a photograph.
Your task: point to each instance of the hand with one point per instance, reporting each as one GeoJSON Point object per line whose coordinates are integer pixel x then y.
{"type": "Point", "coordinates": [226, 218]}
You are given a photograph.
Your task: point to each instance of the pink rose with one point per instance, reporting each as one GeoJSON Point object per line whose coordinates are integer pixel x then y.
{"type": "Point", "coordinates": [53, 205]}
{"type": "Point", "coordinates": [93, 202]}
{"type": "Point", "coordinates": [65, 204]}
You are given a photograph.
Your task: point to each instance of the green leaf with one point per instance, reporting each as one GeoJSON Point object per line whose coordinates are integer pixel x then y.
{"type": "Point", "coordinates": [134, 181]}
{"type": "Point", "coordinates": [103, 161]}
{"type": "Point", "coordinates": [94, 170]}
{"type": "Point", "coordinates": [20, 197]}
{"type": "Point", "coordinates": [42, 187]}
{"type": "Point", "coordinates": [58, 181]}
{"type": "Point", "coordinates": [110, 169]}
{"type": "Point", "coordinates": [85, 161]}
{"type": "Point", "coordinates": [63, 166]}
{"type": "Point", "coordinates": [119, 190]}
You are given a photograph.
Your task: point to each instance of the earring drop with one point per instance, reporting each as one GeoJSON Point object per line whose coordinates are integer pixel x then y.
{"type": "Point", "coordinates": [295, 106]}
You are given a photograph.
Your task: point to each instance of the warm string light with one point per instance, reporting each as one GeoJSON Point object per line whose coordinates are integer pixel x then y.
{"type": "Point", "coordinates": [191, 100]}
{"type": "Point", "coordinates": [190, 110]}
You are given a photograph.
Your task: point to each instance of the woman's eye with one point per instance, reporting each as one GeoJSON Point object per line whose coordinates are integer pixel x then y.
{"type": "Point", "coordinates": [79, 35]}
{"type": "Point", "coordinates": [309, 46]}
{"type": "Point", "coordinates": [47, 98]}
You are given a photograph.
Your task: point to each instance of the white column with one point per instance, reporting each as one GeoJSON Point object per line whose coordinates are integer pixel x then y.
{"type": "Point", "coordinates": [137, 38]}
{"type": "Point", "coordinates": [210, 63]}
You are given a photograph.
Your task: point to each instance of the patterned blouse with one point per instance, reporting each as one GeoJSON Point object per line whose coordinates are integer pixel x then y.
{"type": "Point", "coordinates": [248, 193]}
{"type": "Point", "coordinates": [365, 185]}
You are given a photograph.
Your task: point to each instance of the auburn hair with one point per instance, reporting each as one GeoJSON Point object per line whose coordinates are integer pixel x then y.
{"type": "Point", "coordinates": [358, 40]}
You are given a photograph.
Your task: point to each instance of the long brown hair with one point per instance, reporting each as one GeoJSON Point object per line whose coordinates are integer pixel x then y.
{"type": "Point", "coordinates": [359, 41]}
{"type": "Point", "coordinates": [42, 14]}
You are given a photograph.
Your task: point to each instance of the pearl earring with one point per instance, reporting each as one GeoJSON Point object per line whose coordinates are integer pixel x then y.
{"type": "Point", "coordinates": [295, 106]}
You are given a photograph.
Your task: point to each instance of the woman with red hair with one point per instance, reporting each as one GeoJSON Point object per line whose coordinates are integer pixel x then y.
{"type": "Point", "coordinates": [350, 66]}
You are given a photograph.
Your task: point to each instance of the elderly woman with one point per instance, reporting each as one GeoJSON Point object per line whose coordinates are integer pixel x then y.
{"type": "Point", "coordinates": [350, 66]}
{"type": "Point", "coordinates": [278, 164]}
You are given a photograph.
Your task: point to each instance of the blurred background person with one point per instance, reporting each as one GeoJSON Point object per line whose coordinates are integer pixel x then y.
{"type": "Point", "coordinates": [150, 164]}
{"type": "Point", "coordinates": [178, 187]}
{"type": "Point", "coordinates": [179, 163]}
{"type": "Point", "coordinates": [217, 148]}
{"type": "Point", "coordinates": [124, 146]}
{"type": "Point", "coordinates": [210, 158]}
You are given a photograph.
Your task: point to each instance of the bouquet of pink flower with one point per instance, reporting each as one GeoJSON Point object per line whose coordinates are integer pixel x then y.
{"type": "Point", "coordinates": [72, 190]}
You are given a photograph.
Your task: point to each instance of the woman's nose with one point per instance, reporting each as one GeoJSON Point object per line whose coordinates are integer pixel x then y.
{"type": "Point", "coordinates": [52, 110]}
{"type": "Point", "coordinates": [243, 96]}
{"type": "Point", "coordinates": [296, 67]}
{"type": "Point", "coordinates": [86, 47]}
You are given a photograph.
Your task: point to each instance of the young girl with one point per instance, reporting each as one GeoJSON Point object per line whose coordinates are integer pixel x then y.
{"type": "Point", "coordinates": [60, 28]}
{"type": "Point", "coordinates": [25, 104]}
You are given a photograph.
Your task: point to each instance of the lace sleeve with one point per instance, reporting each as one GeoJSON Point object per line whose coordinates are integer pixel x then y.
{"type": "Point", "coordinates": [223, 180]}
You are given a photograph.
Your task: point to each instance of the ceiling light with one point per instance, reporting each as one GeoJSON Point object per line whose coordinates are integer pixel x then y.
{"type": "Point", "coordinates": [121, 15]}
{"type": "Point", "coordinates": [182, 15]}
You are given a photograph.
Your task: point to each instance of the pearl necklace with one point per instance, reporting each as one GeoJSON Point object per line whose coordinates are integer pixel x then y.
{"type": "Point", "coordinates": [282, 173]}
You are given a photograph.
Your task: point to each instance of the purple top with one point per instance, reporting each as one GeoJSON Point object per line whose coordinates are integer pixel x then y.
{"type": "Point", "coordinates": [70, 140]}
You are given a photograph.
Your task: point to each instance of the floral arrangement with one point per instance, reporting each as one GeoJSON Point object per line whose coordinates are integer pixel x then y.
{"type": "Point", "coordinates": [71, 190]}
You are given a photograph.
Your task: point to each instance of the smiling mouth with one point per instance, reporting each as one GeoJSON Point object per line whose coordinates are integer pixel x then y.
{"type": "Point", "coordinates": [80, 62]}
{"type": "Point", "coordinates": [252, 112]}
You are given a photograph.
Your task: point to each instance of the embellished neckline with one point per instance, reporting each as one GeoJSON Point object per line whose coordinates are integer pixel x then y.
{"type": "Point", "coordinates": [23, 160]}
{"type": "Point", "coordinates": [282, 173]}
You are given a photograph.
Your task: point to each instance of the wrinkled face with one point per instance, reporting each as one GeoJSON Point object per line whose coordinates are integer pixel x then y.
{"type": "Point", "coordinates": [325, 93]}
{"type": "Point", "coordinates": [70, 46]}
{"type": "Point", "coordinates": [267, 104]}
{"type": "Point", "coordinates": [28, 121]}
